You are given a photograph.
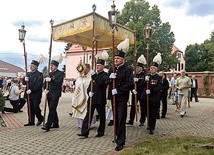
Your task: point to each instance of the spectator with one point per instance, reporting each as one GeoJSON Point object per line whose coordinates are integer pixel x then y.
{"type": "Point", "coordinates": [194, 89]}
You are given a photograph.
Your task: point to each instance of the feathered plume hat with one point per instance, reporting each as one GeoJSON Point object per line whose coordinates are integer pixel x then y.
{"type": "Point", "coordinates": [122, 48]}
{"type": "Point", "coordinates": [141, 61]}
{"type": "Point", "coordinates": [157, 60]}
{"type": "Point", "coordinates": [40, 60]}
{"type": "Point", "coordinates": [102, 57]}
{"type": "Point", "coordinates": [57, 60]}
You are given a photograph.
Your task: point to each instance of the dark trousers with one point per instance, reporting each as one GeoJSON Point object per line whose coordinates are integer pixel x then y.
{"type": "Point", "coordinates": [164, 104]}
{"type": "Point", "coordinates": [101, 113]}
{"type": "Point", "coordinates": [133, 111]}
{"type": "Point", "coordinates": [153, 106]}
{"type": "Point", "coordinates": [194, 93]}
{"type": "Point", "coordinates": [35, 110]}
{"type": "Point", "coordinates": [17, 105]}
{"type": "Point", "coordinates": [52, 115]}
{"type": "Point", "coordinates": [121, 114]}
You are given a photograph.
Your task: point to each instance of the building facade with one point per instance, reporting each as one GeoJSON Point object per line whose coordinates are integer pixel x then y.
{"type": "Point", "coordinates": [10, 70]}
{"type": "Point", "coordinates": [73, 56]}
{"type": "Point", "coordinates": [180, 56]}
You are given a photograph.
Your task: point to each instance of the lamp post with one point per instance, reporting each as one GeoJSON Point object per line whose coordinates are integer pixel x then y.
{"type": "Point", "coordinates": [22, 33]}
{"type": "Point", "coordinates": [113, 23]}
{"type": "Point", "coordinates": [148, 35]}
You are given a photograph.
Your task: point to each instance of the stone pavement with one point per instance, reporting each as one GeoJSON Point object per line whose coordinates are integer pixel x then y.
{"type": "Point", "coordinates": [19, 140]}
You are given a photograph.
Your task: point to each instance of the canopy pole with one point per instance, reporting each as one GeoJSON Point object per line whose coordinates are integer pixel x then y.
{"type": "Point", "coordinates": [92, 64]}
{"type": "Point", "coordinates": [135, 85]}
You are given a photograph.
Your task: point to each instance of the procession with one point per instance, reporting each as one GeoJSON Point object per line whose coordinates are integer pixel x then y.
{"type": "Point", "coordinates": [122, 90]}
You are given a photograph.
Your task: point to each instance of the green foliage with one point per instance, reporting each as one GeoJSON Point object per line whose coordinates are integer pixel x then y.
{"type": "Point", "coordinates": [68, 45]}
{"type": "Point", "coordinates": [200, 57]}
{"type": "Point", "coordinates": [45, 71]}
{"type": "Point", "coordinates": [197, 58]}
{"type": "Point", "coordinates": [135, 15]}
{"type": "Point", "coordinates": [2, 100]}
{"type": "Point", "coordinates": [172, 146]}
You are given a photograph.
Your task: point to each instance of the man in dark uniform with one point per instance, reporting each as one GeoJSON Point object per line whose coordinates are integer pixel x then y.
{"type": "Point", "coordinates": [153, 92]}
{"type": "Point", "coordinates": [123, 84]}
{"type": "Point", "coordinates": [98, 94]}
{"type": "Point", "coordinates": [194, 89]}
{"type": "Point", "coordinates": [163, 95]}
{"type": "Point", "coordinates": [136, 93]}
{"type": "Point", "coordinates": [53, 92]}
{"type": "Point", "coordinates": [35, 84]}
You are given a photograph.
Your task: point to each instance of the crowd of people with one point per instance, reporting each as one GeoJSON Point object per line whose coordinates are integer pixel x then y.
{"type": "Point", "coordinates": [99, 93]}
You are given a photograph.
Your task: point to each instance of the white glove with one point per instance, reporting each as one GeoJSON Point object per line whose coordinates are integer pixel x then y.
{"type": "Point", "coordinates": [46, 91]}
{"type": "Point", "coordinates": [114, 91]}
{"type": "Point", "coordinates": [136, 79]}
{"type": "Point", "coordinates": [134, 91]}
{"type": "Point", "coordinates": [26, 79]}
{"type": "Point", "coordinates": [93, 72]}
{"type": "Point", "coordinates": [147, 78]}
{"type": "Point", "coordinates": [112, 76]}
{"type": "Point", "coordinates": [28, 91]}
{"type": "Point", "coordinates": [47, 79]}
{"type": "Point", "coordinates": [90, 94]}
{"type": "Point", "coordinates": [148, 91]}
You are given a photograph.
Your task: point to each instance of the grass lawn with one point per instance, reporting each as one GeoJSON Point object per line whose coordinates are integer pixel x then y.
{"type": "Point", "coordinates": [184, 145]}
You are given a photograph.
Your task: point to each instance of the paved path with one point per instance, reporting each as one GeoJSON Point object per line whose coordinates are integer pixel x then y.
{"type": "Point", "coordinates": [19, 140]}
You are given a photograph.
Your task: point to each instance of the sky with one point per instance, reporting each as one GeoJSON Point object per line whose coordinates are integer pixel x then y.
{"type": "Point", "coordinates": [192, 21]}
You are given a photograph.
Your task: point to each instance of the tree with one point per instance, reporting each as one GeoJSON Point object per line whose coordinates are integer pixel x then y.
{"type": "Point", "coordinates": [209, 45]}
{"type": "Point", "coordinates": [2, 100]}
{"type": "Point", "coordinates": [135, 15]}
{"type": "Point", "coordinates": [68, 46]}
{"type": "Point", "coordinates": [45, 71]}
{"type": "Point", "coordinates": [200, 57]}
{"type": "Point", "coordinates": [196, 58]}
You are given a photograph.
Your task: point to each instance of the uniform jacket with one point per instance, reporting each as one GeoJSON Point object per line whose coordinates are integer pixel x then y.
{"type": "Point", "coordinates": [164, 86]}
{"type": "Point", "coordinates": [123, 83]}
{"type": "Point", "coordinates": [154, 87]}
{"type": "Point", "coordinates": [55, 85]}
{"type": "Point", "coordinates": [100, 82]}
{"type": "Point", "coordinates": [35, 84]}
{"type": "Point", "coordinates": [139, 83]}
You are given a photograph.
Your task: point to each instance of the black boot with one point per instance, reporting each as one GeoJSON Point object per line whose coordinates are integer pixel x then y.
{"type": "Point", "coordinates": [46, 127]}
{"type": "Point", "coordinates": [111, 123]}
{"type": "Point", "coordinates": [55, 125]}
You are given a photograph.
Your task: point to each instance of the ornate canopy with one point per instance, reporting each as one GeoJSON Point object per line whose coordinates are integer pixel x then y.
{"type": "Point", "coordinates": [81, 31]}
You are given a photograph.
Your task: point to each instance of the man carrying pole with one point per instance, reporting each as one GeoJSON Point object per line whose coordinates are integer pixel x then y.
{"type": "Point", "coordinates": [100, 82]}
{"type": "Point", "coordinates": [151, 92]}
{"type": "Point", "coordinates": [34, 90]}
{"type": "Point", "coordinates": [136, 93]}
{"type": "Point", "coordinates": [123, 84]}
{"type": "Point", "coordinates": [53, 92]}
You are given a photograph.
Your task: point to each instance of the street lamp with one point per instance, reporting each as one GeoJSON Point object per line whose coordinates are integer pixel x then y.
{"type": "Point", "coordinates": [148, 36]}
{"type": "Point", "coordinates": [148, 32]}
{"type": "Point", "coordinates": [22, 33]}
{"type": "Point", "coordinates": [113, 23]}
{"type": "Point", "coordinates": [112, 15]}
